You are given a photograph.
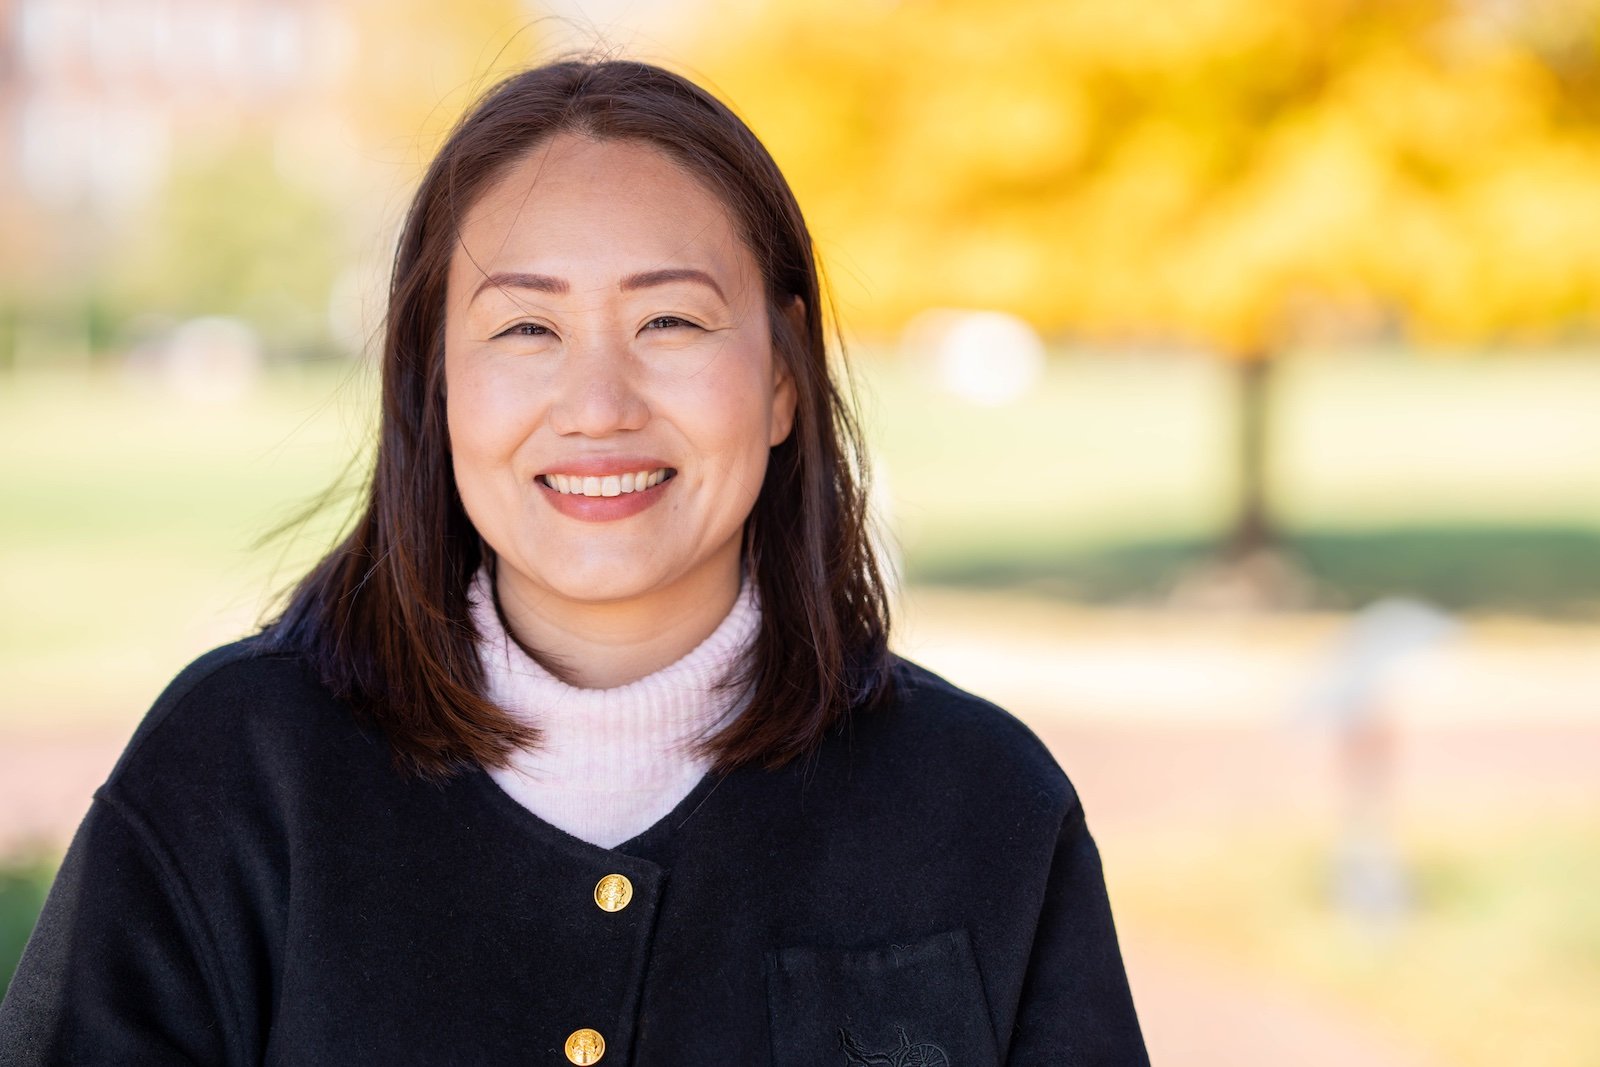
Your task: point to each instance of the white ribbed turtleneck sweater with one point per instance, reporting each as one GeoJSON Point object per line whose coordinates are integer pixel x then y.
{"type": "Point", "coordinates": [612, 762]}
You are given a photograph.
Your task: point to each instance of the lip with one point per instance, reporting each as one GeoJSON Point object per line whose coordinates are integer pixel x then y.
{"type": "Point", "coordinates": [604, 508]}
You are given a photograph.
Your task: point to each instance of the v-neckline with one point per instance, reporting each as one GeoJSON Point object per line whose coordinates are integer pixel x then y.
{"type": "Point", "coordinates": [654, 840]}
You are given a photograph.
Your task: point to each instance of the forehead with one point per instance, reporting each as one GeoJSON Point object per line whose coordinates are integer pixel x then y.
{"type": "Point", "coordinates": [595, 210]}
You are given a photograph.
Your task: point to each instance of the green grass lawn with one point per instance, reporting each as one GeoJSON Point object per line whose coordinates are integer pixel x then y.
{"type": "Point", "coordinates": [23, 884]}
{"type": "Point", "coordinates": [1115, 447]}
{"type": "Point", "coordinates": [129, 519]}
{"type": "Point", "coordinates": [126, 543]}
{"type": "Point", "coordinates": [1473, 483]}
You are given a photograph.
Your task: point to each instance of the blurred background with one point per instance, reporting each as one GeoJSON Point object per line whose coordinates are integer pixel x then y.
{"type": "Point", "coordinates": [1233, 370]}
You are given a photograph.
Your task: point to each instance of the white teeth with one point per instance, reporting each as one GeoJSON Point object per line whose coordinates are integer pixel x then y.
{"type": "Point", "coordinates": [605, 485]}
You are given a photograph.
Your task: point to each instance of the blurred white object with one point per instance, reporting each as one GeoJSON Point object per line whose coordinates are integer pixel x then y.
{"type": "Point", "coordinates": [984, 357]}
{"type": "Point", "coordinates": [1369, 878]}
{"type": "Point", "coordinates": [1379, 640]}
{"type": "Point", "coordinates": [209, 360]}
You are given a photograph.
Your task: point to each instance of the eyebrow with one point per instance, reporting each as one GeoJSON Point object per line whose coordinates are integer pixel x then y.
{"type": "Point", "coordinates": [544, 283]}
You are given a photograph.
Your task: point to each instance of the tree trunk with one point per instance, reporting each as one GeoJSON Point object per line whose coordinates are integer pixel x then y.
{"type": "Point", "coordinates": [1253, 528]}
{"type": "Point", "coordinates": [1251, 570]}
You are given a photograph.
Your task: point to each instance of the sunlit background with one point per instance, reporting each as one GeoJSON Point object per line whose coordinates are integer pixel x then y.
{"type": "Point", "coordinates": [1232, 370]}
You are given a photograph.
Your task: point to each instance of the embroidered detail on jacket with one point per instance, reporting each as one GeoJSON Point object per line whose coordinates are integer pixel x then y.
{"type": "Point", "coordinates": [907, 1055]}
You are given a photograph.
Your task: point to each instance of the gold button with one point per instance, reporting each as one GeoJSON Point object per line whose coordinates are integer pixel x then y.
{"type": "Point", "coordinates": [613, 892]}
{"type": "Point", "coordinates": [585, 1046]}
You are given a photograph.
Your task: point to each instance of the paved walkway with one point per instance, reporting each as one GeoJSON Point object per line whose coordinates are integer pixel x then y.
{"type": "Point", "coordinates": [1198, 1011]}
{"type": "Point", "coordinates": [46, 783]}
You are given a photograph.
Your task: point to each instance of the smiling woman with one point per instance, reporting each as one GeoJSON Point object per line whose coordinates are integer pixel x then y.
{"type": "Point", "coordinates": [586, 744]}
{"type": "Point", "coordinates": [606, 322]}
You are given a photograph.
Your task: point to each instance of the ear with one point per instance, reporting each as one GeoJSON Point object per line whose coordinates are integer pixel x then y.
{"type": "Point", "coordinates": [784, 394]}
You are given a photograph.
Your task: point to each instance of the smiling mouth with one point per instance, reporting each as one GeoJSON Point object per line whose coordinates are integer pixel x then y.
{"type": "Point", "coordinates": [606, 484]}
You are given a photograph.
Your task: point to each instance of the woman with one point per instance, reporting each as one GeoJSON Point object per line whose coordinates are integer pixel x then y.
{"type": "Point", "coordinates": [585, 745]}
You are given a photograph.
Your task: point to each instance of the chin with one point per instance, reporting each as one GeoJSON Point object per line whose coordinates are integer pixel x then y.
{"type": "Point", "coordinates": [601, 590]}
{"type": "Point", "coordinates": [595, 581]}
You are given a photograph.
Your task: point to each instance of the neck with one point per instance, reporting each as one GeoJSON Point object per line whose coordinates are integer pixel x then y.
{"type": "Point", "coordinates": [609, 644]}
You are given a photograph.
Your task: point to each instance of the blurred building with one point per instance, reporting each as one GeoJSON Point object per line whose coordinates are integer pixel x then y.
{"type": "Point", "coordinates": [103, 102]}
{"type": "Point", "coordinates": [96, 94]}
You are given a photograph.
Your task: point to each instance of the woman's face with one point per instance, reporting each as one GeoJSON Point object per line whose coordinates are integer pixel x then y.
{"type": "Point", "coordinates": [611, 388]}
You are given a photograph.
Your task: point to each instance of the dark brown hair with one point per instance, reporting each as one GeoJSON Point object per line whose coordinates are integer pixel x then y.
{"type": "Point", "coordinates": [384, 616]}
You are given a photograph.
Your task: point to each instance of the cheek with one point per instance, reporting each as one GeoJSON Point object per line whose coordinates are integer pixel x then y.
{"type": "Point", "coordinates": [731, 416]}
{"type": "Point", "coordinates": [485, 431]}
{"type": "Point", "coordinates": [485, 419]}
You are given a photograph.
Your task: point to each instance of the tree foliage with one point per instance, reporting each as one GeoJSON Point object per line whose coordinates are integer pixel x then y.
{"type": "Point", "coordinates": [229, 235]}
{"type": "Point", "coordinates": [1227, 172]}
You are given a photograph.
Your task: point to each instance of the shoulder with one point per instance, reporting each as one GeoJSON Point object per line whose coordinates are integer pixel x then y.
{"type": "Point", "coordinates": [938, 729]}
{"type": "Point", "coordinates": [238, 717]}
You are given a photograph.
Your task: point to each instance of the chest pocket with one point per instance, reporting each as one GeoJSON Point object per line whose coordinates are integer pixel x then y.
{"type": "Point", "coordinates": [919, 1004]}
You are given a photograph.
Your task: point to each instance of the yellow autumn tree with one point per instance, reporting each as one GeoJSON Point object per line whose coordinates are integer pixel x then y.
{"type": "Point", "coordinates": [1223, 172]}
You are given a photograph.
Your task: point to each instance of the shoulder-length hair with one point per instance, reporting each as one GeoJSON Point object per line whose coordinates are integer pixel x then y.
{"type": "Point", "coordinates": [384, 616]}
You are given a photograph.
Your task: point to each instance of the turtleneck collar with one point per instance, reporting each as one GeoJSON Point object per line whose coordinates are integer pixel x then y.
{"type": "Point", "coordinates": [612, 761]}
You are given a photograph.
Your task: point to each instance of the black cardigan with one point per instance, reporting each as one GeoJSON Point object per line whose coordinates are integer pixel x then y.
{"type": "Point", "coordinates": [255, 883]}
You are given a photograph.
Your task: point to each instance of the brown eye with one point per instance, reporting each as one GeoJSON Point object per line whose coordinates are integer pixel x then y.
{"type": "Point", "coordinates": [666, 322]}
{"type": "Point", "coordinates": [524, 329]}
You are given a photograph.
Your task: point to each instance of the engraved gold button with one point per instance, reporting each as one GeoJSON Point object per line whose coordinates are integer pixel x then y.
{"type": "Point", "coordinates": [613, 892]}
{"type": "Point", "coordinates": [585, 1046]}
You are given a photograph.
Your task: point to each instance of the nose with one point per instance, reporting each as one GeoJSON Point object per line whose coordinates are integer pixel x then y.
{"type": "Point", "coordinates": [597, 392]}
